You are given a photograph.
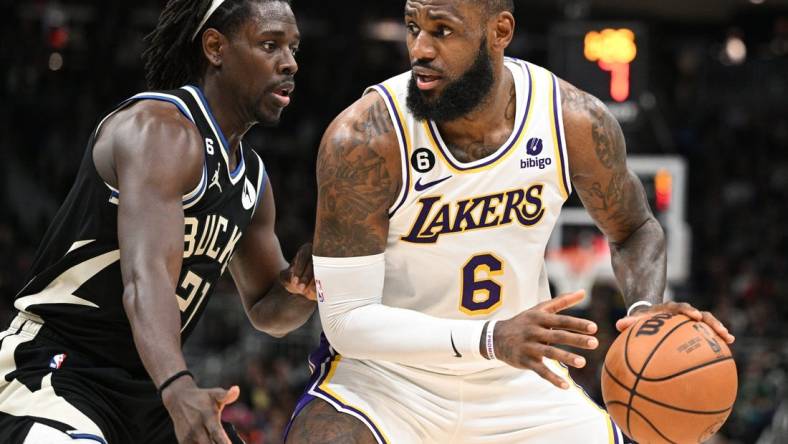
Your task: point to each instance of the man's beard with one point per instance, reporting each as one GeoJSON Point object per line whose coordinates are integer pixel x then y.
{"type": "Point", "coordinates": [459, 97]}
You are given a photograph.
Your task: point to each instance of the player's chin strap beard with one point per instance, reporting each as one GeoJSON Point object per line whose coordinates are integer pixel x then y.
{"type": "Point", "coordinates": [214, 6]}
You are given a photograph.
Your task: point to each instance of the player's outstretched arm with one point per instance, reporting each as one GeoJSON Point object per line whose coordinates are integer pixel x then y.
{"type": "Point", "coordinates": [615, 198]}
{"type": "Point", "coordinates": [256, 268]}
{"type": "Point", "coordinates": [156, 156]}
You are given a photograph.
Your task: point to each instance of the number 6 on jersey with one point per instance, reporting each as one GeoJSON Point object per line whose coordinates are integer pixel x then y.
{"type": "Point", "coordinates": [481, 294]}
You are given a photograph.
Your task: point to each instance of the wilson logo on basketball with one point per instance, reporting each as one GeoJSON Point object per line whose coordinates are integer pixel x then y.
{"type": "Point", "coordinates": [652, 326]}
{"type": "Point", "coordinates": [715, 346]}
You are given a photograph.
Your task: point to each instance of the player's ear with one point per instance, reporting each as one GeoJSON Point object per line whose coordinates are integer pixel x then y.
{"type": "Point", "coordinates": [502, 30]}
{"type": "Point", "coordinates": [213, 43]}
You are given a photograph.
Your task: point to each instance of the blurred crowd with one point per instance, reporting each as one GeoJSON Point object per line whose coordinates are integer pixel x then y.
{"type": "Point", "coordinates": [64, 64]}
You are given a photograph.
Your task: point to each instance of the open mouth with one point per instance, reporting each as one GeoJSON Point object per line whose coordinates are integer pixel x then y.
{"type": "Point", "coordinates": [426, 80]}
{"type": "Point", "coordinates": [282, 93]}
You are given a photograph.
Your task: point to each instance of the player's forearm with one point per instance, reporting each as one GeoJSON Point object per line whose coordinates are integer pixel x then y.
{"type": "Point", "coordinates": [359, 326]}
{"type": "Point", "coordinates": [640, 263]}
{"type": "Point", "coordinates": [392, 334]}
{"type": "Point", "coordinates": [279, 312]}
{"type": "Point", "coordinates": [155, 321]}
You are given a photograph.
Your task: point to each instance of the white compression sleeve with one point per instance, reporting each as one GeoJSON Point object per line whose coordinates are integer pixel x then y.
{"type": "Point", "coordinates": [358, 325]}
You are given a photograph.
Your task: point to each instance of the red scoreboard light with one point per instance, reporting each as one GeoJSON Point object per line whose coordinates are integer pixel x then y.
{"type": "Point", "coordinates": [663, 189]}
{"type": "Point", "coordinates": [613, 50]}
{"type": "Point", "coordinates": [609, 60]}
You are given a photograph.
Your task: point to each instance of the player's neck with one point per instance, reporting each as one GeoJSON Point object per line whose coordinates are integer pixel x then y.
{"type": "Point", "coordinates": [228, 113]}
{"type": "Point", "coordinates": [486, 120]}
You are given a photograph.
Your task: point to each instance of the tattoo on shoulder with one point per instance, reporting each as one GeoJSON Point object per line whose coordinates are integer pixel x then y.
{"type": "Point", "coordinates": [605, 132]}
{"type": "Point", "coordinates": [355, 186]}
{"type": "Point", "coordinates": [613, 197]}
{"type": "Point", "coordinates": [608, 140]}
{"type": "Point", "coordinates": [574, 99]}
{"type": "Point", "coordinates": [376, 122]}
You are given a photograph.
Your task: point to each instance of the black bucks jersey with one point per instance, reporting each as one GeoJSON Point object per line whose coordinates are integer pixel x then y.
{"type": "Point", "coordinates": [76, 285]}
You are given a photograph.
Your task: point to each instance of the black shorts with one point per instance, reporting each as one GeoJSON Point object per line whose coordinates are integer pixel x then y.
{"type": "Point", "coordinates": [44, 381]}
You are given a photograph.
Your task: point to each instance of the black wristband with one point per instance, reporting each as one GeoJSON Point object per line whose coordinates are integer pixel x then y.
{"type": "Point", "coordinates": [172, 379]}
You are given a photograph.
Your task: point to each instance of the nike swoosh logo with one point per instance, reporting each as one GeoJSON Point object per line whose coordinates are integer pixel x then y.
{"type": "Point", "coordinates": [421, 187]}
{"type": "Point", "coordinates": [457, 353]}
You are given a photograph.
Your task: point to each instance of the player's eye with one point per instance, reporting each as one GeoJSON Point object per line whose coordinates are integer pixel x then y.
{"type": "Point", "coordinates": [412, 28]}
{"type": "Point", "coordinates": [294, 50]}
{"type": "Point", "coordinates": [443, 31]}
{"type": "Point", "coordinates": [269, 45]}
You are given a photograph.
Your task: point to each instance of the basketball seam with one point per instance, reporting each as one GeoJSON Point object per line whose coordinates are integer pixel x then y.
{"type": "Point", "coordinates": [699, 412]}
{"type": "Point", "coordinates": [614, 378]}
{"type": "Point", "coordinates": [611, 403]}
{"type": "Point", "coordinates": [632, 370]}
{"type": "Point", "coordinates": [608, 403]}
{"type": "Point", "coordinates": [645, 364]}
{"type": "Point", "coordinates": [653, 426]}
{"type": "Point", "coordinates": [626, 351]}
{"type": "Point", "coordinates": [691, 369]}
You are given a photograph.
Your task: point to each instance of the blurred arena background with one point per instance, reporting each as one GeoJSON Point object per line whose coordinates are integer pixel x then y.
{"type": "Point", "coordinates": [700, 86]}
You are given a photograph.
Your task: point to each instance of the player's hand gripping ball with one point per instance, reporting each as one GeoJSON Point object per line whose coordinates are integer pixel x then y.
{"type": "Point", "coordinates": [669, 379]}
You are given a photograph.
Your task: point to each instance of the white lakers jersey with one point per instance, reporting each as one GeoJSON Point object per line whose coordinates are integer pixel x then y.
{"type": "Point", "coordinates": [467, 240]}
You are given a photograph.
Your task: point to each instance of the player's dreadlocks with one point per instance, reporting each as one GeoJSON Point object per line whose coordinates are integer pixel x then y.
{"type": "Point", "coordinates": [172, 58]}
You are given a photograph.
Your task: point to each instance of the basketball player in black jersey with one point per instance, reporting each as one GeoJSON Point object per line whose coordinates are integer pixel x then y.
{"type": "Point", "coordinates": [165, 197]}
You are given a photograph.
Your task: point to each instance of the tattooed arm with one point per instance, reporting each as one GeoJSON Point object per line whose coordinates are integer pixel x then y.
{"type": "Point", "coordinates": [359, 178]}
{"type": "Point", "coordinates": [358, 174]}
{"type": "Point", "coordinates": [615, 198]}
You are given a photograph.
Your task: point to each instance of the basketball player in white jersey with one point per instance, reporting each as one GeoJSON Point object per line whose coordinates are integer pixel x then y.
{"type": "Point", "coordinates": [438, 191]}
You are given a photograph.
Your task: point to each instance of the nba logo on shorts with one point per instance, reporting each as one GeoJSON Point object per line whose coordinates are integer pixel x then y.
{"type": "Point", "coordinates": [57, 361]}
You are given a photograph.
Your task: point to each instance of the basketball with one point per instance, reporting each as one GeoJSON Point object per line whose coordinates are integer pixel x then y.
{"type": "Point", "coordinates": [669, 379]}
